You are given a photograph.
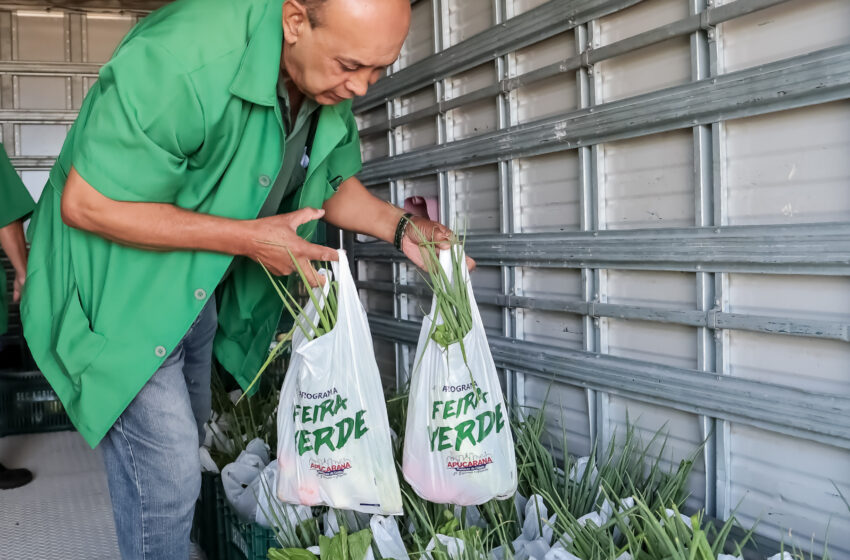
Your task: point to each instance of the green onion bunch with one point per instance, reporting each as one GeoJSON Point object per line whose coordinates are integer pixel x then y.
{"type": "Point", "coordinates": [326, 306]}
{"type": "Point", "coordinates": [451, 297]}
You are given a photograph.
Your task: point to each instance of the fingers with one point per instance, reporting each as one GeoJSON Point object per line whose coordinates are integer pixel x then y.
{"type": "Point", "coordinates": [314, 252]}
{"type": "Point", "coordinates": [430, 231]}
{"type": "Point", "coordinates": [313, 277]}
{"type": "Point", "coordinates": [305, 215]}
{"type": "Point", "coordinates": [470, 264]}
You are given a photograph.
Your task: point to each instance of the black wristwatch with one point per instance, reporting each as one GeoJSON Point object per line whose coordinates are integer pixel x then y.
{"type": "Point", "coordinates": [401, 229]}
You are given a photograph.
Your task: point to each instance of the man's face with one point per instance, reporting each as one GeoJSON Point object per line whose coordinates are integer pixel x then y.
{"type": "Point", "coordinates": [354, 41]}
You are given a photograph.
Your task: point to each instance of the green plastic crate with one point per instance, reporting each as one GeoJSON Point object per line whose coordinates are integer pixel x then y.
{"type": "Point", "coordinates": [208, 528]}
{"type": "Point", "coordinates": [29, 405]}
{"type": "Point", "coordinates": [247, 541]}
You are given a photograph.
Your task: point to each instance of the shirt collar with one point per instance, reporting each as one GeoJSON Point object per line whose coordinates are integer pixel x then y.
{"type": "Point", "coordinates": [256, 79]}
{"type": "Point", "coordinates": [308, 106]}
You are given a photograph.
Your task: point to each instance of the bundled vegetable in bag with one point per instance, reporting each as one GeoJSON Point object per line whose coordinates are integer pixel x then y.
{"type": "Point", "coordinates": [334, 443]}
{"type": "Point", "coordinates": [458, 446]}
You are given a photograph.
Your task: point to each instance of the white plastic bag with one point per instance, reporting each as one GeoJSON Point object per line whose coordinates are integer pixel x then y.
{"type": "Point", "coordinates": [334, 443]}
{"type": "Point", "coordinates": [387, 538]}
{"type": "Point", "coordinates": [458, 447]}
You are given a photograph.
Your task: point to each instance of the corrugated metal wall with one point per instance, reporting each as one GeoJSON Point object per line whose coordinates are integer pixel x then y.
{"type": "Point", "coordinates": [48, 60]}
{"type": "Point", "coordinates": [657, 195]}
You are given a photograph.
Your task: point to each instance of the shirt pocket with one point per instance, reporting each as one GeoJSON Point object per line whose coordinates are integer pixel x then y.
{"type": "Point", "coordinates": [77, 344]}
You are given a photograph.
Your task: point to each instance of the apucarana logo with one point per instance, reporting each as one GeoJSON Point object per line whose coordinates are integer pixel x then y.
{"type": "Point", "coordinates": [468, 464]}
{"type": "Point", "coordinates": [327, 468]}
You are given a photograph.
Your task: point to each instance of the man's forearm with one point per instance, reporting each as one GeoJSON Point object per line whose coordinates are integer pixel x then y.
{"type": "Point", "coordinates": [148, 225]}
{"type": "Point", "coordinates": [15, 245]}
{"type": "Point", "coordinates": [353, 208]}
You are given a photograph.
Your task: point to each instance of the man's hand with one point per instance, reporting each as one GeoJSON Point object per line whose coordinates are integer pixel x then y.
{"type": "Point", "coordinates": [273, 239]}
{"type": "Point", "coordinates": [15, 246]}
{"type": "Point", "coordinates": [422, 230]}
{"type": "Point", "coordinates": [20, 278]}
{"type": "Point", "coordinates": [353, 208]}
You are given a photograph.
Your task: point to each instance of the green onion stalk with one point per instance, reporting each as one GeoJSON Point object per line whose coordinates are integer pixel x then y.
{"type": "Point", "coordinates": [452, 309]}
{"type": "Point", "coordinates": [326, 303]}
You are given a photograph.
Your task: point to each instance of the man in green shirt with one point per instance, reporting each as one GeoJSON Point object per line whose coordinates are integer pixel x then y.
{"type": "Point", "coordinates": [16, 205]}
{"type": "Point", "coordinates": [189, 151]}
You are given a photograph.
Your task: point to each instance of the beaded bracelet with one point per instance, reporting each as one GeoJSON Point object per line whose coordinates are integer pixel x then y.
{"type": "Point", "coordinates": [400, 229]}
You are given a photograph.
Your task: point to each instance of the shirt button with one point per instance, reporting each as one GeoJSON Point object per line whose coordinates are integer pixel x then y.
{"type": "Point", "coordinates": [200, 294]}
{"type": "Point", "coordinates": [265, 181]}
{"type": "Point", "coordinates": [160, 351]}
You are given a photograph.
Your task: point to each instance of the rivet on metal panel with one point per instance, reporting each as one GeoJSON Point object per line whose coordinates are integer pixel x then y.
{"type": "Point", "coordinates": [712, 34]}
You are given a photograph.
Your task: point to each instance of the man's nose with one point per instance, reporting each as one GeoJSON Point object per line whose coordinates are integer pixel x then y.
{"type": "Point", "coordinates": [358, 84]}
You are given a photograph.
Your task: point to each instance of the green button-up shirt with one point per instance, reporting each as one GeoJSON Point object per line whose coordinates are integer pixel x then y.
{"type": "Point", "coordinates": [184, 113]}
{"type": "Point", "coordinates": [15, 204]}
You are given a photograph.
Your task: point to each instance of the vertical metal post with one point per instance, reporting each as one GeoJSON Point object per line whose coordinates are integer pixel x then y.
{"type": "Point", "coordinates": [79, 53]}
{"type": "Point", "coordinates": [399, 305]}
{"type": "Point", "coordinates": [507, 223]}
{"type": "Point", "coordinates": [446, 197]}
{"type": "Point", "coordinates": [78, 25]}
{"type": "Point", "coordinates": [7, 87]}
{"type": "Point", "coordinates": [592, 219]}
{"type": "Point", "coordinates": [704, 213]}
{"type": "Point", "coordinates": [709, 204]}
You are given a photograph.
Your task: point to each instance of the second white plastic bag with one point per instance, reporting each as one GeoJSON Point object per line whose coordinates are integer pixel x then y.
{"type": "Point", "coordinates": [334, 444]}
{"type": "Point", "coordinates": [458, 447]}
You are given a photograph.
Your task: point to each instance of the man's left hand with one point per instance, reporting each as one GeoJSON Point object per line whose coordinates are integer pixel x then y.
{"type": "Point", "coordinates": [431, 231]}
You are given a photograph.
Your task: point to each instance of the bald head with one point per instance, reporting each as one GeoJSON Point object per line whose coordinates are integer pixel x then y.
{"type": "Point", "coordinates": [314, 7]}
{"type": "Point", "coordinates": [334, 49]}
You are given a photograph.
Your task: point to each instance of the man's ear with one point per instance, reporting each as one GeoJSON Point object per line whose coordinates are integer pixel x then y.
{"type": "Point", "coordinates": [294, 21]}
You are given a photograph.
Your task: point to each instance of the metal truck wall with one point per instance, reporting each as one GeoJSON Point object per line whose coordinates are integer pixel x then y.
{"type": "Point", "coordinates": [48, 60]}
{"type": "Point", "coordinates": [657, 194]}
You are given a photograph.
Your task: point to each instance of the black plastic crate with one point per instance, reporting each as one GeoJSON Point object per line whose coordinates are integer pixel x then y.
{"type": "Point", "coordinates": [208, 528]}
{"type": "Point", "coordinates": [247, 541]}
{"type": "Point", "coordinates": [29, 405]}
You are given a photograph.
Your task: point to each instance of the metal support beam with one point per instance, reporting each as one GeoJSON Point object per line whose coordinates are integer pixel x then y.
{"type": "Point", "coordinates": [710, 319]}
{"type": "Point", "coordinates": [547, 20]}
{"type": "Point", "coordinates": [819, 417]}
{"type": "Point", "coordinates": [37, 116]}
{"type": "Point", "coordinates": [819, 77]}
{"type": "Point", "coordinates": [21, 68]}
{"type": "Point", "coordinates": [819, 249]}
{"type": "Point", "coordinates": [587, 57]}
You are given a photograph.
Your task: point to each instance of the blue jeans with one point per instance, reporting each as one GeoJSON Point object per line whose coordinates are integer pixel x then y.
{"type": "Point", "coordinates": [151, 452]}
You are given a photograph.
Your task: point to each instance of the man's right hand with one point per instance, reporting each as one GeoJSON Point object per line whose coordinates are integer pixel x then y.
{"type": "Point", "coordinates": [272, 240]}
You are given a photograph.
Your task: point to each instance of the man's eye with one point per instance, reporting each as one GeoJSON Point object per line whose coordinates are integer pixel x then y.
{"type": "Point", "coordinates": [347, 68]}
